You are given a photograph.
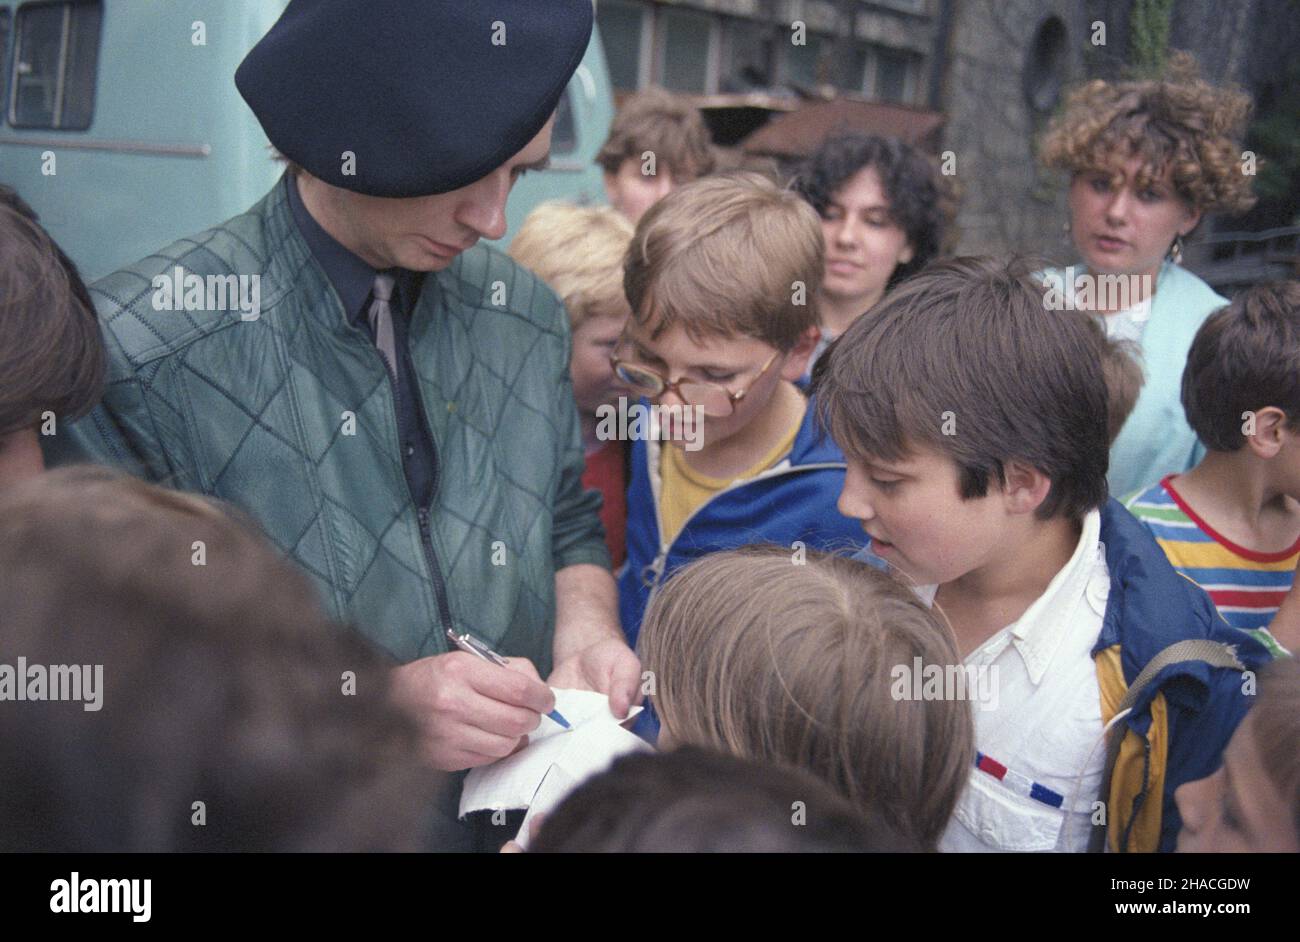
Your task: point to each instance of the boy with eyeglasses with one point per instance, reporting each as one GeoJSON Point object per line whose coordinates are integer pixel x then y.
{"type": "Point", "coordinates": [722, 277]}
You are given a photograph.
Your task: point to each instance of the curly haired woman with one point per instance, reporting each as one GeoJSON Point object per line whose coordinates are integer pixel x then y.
{"type": "Point", "coordinates": [1147, 160]}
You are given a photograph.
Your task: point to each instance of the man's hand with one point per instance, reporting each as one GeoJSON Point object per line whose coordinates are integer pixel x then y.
{"type": "Point", "coordinates": [590, 653]}
{"type": "Point", "coordinates": [607, 667]}
{"type": "Point", "coordinates": [472, 712]}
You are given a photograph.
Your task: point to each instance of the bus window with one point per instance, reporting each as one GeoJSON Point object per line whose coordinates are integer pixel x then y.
{"type": "Point", "coordinates": [4, 55]}
{"type": "Point", "coordinates": [564, 136]}
{"type": "Point", "coordinates": [55, 58]}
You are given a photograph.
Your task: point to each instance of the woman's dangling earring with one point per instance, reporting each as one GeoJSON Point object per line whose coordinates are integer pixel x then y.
{"type": "Point", "coordinates": [1176, 250]}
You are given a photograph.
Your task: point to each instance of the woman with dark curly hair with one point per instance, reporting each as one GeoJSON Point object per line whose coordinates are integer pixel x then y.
{"type": "Point", "coordinates": [1147, 159]}
{"type": "Point", "coordinates": [881, 210]}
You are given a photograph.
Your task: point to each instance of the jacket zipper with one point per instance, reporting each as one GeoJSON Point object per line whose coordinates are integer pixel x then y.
{"type": "Point", "coordinates": [426, 534]}
{"type": "Point", "coordinates": [422, 513]}
{"type": "Point", "coordinates": [431, 560]}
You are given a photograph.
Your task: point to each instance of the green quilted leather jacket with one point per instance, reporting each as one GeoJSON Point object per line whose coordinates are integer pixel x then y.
{"type": "Point", "coordinates": [290, 416]}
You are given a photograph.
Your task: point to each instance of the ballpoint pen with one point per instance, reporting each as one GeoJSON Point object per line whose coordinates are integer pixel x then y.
{"type": "Point", "coordinates": [467, 642]}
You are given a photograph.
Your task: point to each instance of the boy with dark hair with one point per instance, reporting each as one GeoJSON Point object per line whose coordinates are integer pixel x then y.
{"type": "Point", "coordinates": [694, 800]}
{"type": "Point", "coordinates": [1232, 523]}
{"type": "Point", "coordinates": [974, 418]}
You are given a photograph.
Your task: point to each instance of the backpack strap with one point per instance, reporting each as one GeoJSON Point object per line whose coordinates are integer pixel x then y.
{"type": "Point", "coordinates": [1213, 653]}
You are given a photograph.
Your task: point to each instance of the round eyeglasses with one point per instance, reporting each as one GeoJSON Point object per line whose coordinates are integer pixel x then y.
{"type": "Point", "coordinates": [712, 399]}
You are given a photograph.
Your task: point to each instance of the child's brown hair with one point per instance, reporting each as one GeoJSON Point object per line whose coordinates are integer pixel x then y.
{"type": "Point", "coordinates": [1244, 358]}
{"type": "Point", "coordinates": [776, 657]}
{"type": "Point", "coordinates": [666, 125]}
{"type": "Point", "coordinates": [51, 352]}
{"type": "Point", "coordinates": [693, 800]}
{"type": "Point", "coordinates": [1121, 364]}
{"type": "Point", "coordinates": [969, 359]}
{"type": "Point", "coordinates": [732, 254]}
{"type": "Point", "coordinates": [223, 681]}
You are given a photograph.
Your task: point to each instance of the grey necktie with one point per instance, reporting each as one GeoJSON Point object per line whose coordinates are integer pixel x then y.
{"type": "Point", "coordinates": [381, 320]}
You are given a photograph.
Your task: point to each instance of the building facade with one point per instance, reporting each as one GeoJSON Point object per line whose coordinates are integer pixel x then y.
{"type": "Point", "coordinates": [997, 69]}
{"type": "Point", "coordinates": [880, 49]}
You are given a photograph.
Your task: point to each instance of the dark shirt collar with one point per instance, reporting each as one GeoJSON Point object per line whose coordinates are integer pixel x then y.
{"type": "Point", "coordinates": [351, 276]}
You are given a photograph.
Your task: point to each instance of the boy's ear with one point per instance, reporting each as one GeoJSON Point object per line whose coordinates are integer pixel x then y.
{"type": "Point", "coordinates": [796, 359]}
{"type": "Point", "coordinates": [1026, 487]}
{"type": "Point", "coordinates": [1270, 429]}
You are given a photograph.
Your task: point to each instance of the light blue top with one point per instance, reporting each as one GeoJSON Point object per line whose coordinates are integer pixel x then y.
{"type": "Point", "coordinates": [1156, 440]}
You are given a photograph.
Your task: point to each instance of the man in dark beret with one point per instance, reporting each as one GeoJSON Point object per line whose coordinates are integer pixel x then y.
{"type": "Point", "coordinates": [390, 400]}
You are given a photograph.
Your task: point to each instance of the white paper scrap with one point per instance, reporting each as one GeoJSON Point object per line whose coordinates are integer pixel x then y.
{"type": "Point", "coordinates": [595, 741]}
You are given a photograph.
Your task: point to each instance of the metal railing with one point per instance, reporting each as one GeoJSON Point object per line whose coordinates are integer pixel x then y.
{"type": "Point", "coordinates": [1232, 260]}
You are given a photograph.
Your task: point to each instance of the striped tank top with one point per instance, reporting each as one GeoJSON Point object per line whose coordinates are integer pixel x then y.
{"type": "Point", "coordinates": [1247, 586]}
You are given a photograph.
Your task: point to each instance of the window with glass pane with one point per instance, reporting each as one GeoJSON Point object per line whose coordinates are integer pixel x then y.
{"type": "Point", "coordinates": [858, 71]}
{"type": "Point", "coordinates": [36, 74]}
{"type": "Point", "coordinates": [620, 33]}
{"type": "Point", "coordinates": [685, 50]}
{"type": "Point", "coordinates": [79, 69]}
{"type": "Point", "coordinates": [55, 63]}
{"type": "Point", "coordinates": [804, 65]}
{"type": "Point", "coordinates": [892, 69]}
{"type": "Point", "coordinates": [4, 55]}
{"type": "Point", "coordinates": [747, 52]}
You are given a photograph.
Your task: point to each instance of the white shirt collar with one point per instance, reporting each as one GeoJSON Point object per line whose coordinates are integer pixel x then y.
{"type": "Point", "coordinates": [1037, 634]}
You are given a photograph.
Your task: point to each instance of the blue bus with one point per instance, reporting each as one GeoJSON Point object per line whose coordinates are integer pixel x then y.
{"type": "Point", "coordinates": [122, 127]}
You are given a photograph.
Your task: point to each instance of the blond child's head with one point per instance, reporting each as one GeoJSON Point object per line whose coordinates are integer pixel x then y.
{"type": "Point", "coordinates": [722, 279]}
{"type": "Point", "coordinates": [791, 659]}
{"type": "Point", "coordinates": [578, 251]}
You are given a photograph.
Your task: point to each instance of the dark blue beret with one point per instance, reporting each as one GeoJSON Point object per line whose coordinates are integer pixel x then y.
{"type": "Point", "coordinates": [430, 95]}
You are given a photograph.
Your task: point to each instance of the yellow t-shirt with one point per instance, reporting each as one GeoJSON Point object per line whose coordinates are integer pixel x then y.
{"type": "Point", "coordinates": [684, 489]}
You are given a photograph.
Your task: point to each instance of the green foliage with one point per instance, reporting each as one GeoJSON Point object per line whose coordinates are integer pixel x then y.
{"type": "Point", "coordinates": [1149, 36]}
{"type": "Point", "coordinates": [1275, 137]}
